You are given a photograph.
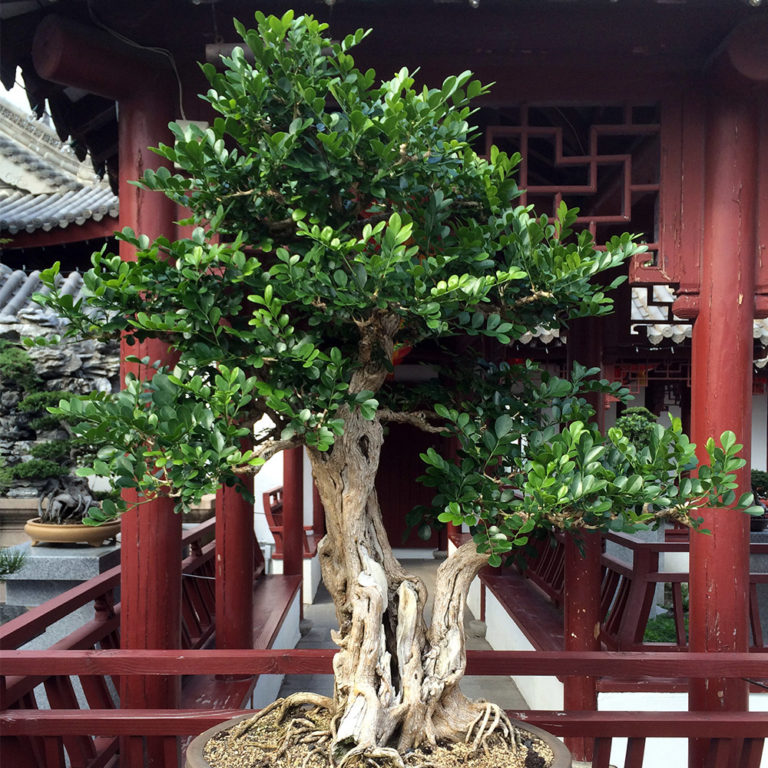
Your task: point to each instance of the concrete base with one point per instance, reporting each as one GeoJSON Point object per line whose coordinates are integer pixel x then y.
{"type": "Point", "coordinates": [50, 570]}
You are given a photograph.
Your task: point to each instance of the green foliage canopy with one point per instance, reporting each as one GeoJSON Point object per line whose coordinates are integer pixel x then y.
{"type": "Point", "coordinates": [334, 218]}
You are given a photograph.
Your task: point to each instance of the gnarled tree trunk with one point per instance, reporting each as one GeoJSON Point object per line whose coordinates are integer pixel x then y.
{"type": "Point", "coordinates": [396, 681]}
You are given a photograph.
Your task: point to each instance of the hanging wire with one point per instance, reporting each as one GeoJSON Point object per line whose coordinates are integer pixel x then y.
{"type": "Point", "coordinates": [162, 51]}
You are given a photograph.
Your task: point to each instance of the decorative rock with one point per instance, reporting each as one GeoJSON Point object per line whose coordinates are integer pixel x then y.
{"type": "Point", "coordinates": [48, 435]}
{"type": "Point", "coordinates": [9, 399]}
{"type": "Point", "coordinates": [53, 361]}
{"type": "Point", "coordinates": [24, 491]}
{"type": "Point", "coordinates": [79, 367]}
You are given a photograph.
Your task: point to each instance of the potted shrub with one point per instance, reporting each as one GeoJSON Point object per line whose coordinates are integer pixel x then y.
{"type": "Point", "coordinates": [760, 484]}
{"type": "Point", "coordinates": [336, 219]}
{"type": "Point", "coordinates": [67, 509]}
{"type": "Point", "coordinates": [68, 513]}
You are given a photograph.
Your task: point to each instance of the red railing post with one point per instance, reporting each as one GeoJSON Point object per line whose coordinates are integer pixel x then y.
{"type": "Point", "coordinates": [581, 624]}
{"type": "Point", "coordinates": [293, 511]}
{"type": "Point", "coordinates": [151, 533]}
{"type": "Point", "coordinates": [234, 568]}
{"type": "Point", "coordinates": [583, 574]}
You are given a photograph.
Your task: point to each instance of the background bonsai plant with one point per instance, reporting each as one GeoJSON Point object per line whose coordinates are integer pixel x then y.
{"type": "Point", "coordinates": [52, 452]}
{"type": "Point", "coordinates": [760, 483]}
{"type": "Point", "coordinates": [336, 220]}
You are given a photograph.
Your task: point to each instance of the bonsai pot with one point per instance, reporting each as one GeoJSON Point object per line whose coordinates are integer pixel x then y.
{"type": "Point", "coordinates": [70, 533]}
{"type": "Point", "coordinates": [195, 758]}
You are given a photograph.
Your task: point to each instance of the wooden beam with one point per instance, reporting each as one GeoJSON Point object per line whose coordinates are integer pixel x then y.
{"type": "Point", "coordinates": [629, 665]}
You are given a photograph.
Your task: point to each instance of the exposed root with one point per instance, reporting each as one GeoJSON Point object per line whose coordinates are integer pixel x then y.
{"type": "Point", "coordinates": [283, 706]}
{"type": "Point", "coordinates": [303, 731]}
{"type": "Point", "coordinates": [373, 757]}
{"type": "Point", "coordinates": [312, 752]}
{"type": "Point", "coordinates": [492, 719]}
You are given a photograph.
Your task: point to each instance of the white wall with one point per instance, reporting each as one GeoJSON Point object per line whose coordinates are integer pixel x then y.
{"type": "Point", "coordinates": [503, 635]}
{"type": "Point", "coordinates": [269, 476]}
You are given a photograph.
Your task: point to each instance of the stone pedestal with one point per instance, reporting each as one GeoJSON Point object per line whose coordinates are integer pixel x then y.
{"type": "Point", "coordinates": [50, 570]}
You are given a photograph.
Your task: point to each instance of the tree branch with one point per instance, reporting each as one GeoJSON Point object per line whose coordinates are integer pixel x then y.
{"type": "Point", "coordinates": [419, 419]}
{"type": "Point", "coordinates": [272, 447]}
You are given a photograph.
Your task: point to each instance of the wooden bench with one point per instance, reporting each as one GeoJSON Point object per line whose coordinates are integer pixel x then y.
{"type": "Point", "coordinates": [537, 617]}
{"type": "Point", "coordinates": [273, 511]}
{"type": "Point", "coordinates": [273, 597]}
{"type": "Point", "coordinates": [533, 599]}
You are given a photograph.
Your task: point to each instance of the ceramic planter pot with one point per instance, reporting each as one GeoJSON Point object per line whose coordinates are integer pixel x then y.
{"type": "Point", "coordinates": [195, 758]}
{"type": "Point", "coordinates": [70, 533]}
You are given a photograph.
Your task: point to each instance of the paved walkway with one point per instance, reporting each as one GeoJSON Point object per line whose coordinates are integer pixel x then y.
{"type": "Point", "coordinates": [321, 616]}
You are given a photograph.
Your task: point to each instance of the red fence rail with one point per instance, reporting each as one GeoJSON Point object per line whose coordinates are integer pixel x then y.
{"type": "Point", "coordinates": [628, 591]}
{"type": "Point", "coordinates": [89, 658]}
{"type": "Point", "coordinates": [736, 739]}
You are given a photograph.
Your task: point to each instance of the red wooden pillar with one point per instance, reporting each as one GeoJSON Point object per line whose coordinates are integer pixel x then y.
{"type": "Point", "coordinates": [151, 533]}
{"type": "Point", "coordinates": [234, 568]}
{"type": "Point", "coordinates": [293, 511]}
{"type": "Point", "coordinates": [583, 573]}
{"type": "Point", "coordinates": [75, 55]}
{"type": "Point", "coordinates": [722, 390]}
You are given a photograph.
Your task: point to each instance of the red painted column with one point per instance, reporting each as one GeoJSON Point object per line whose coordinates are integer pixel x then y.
{"type": "Point", "coordinates": [583, 572]}
{"type": "Point", "coordinates": [722, 391]}
{"type": "Point", "coordinates": [151, 533]}
{"type": "Point", "coordinates": [293, 511]}
{"type": "Point", "coordinates": [234, 568]}
{"type": "Point", "coordinates": [73, 54]}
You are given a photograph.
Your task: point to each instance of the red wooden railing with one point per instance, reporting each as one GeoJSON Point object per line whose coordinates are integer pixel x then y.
{"type": "Point", "coordinates": [628, 592]}
{"type": "Point", "coordinates": [198, 569]}
{"type": "Point", "coordinates": [87, 737]}
{"type": "Point", "coordinates": [29, 692]}
{"type": "Point", "coordinates": [272, 501]}
{"type": "Point", "coordinates": [735, 739]}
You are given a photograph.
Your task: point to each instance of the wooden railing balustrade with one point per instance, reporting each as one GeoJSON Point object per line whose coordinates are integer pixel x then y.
{"type": "Point", "coordinates": [40, 693]}
{"type": "Point", "coordinates": [82, 692]}
{"type": "Point", "coordinates": [628, 591]}
{"type": "Point", "coordinates": [84, 731]}
{"type": "Point", "coordinates": [735, 740]}
{"type": "Point", "coordinates": [272, 501]}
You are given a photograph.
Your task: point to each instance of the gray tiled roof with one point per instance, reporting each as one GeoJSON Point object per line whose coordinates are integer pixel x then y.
{"type": "Point", "coordinates": [16, 291]}
{"type": "Point", "coordinates": [659, 323]}
{"type": "Point", "coordinates": [42, 184]}
{"type": "Point", "coordinates": [21, 212]}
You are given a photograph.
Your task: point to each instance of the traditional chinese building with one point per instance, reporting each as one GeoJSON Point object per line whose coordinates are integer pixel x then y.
{"type": "Point", "coordinates": [650, 116]}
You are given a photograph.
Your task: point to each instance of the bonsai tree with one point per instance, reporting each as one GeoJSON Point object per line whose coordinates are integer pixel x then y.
{"type": "Point", "coordinates": [336, 220]}
{"type": "Point", "coordinates": [53, 455]}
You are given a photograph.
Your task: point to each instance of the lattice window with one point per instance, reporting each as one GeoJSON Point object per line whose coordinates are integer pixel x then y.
{"type": "Point", "coordinates": [605, 160]}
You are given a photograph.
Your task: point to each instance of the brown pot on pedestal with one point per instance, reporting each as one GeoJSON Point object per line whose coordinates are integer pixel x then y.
{"type": "Point", "coordinates": [196, 759]}
{"type": "Point", "coordinates": [71, 533]}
